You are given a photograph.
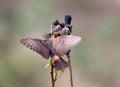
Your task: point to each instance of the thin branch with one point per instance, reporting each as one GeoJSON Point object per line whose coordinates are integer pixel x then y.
{"type": "Point", "coordinates": [70, 69]}
{"type": "Point", "coordinates": [52, 74]}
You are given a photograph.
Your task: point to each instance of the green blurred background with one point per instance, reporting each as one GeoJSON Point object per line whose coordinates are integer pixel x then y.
{"type": "Point", "coordinates": [95, 61]}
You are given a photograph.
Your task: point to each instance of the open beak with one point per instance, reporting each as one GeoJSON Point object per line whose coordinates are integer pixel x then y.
{"type": "Point", "coordinates": [55, 35]}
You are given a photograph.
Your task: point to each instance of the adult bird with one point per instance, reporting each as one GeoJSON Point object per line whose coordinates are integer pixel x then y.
{"type": "Point", "coordinates": [53, 47]}
{"type": "Point", "coordinates": [44, 48]}
{"type": "Point", "coordinates": [59, 33]}
{"type": "Point", "coordinates": [55, 44]}
{"type": "Point", "coordinates": [61, 36]}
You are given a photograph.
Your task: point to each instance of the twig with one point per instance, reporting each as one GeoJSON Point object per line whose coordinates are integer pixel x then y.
{"type": "Point", "coordinates": [52, 74]}
{"type": "Point", "coordinates": [70, 69]}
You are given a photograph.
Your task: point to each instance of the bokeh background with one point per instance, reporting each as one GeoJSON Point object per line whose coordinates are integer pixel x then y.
{"type": "Point", "coordinates": [95, 61]}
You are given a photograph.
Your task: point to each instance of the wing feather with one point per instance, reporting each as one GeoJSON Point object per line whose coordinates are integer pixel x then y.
{"type": "Point", "coordinates": [37, 45]}
{"type": "Point", "coordinates": [64, 43]}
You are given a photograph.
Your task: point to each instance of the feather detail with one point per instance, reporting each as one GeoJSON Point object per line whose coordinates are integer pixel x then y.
{"type": "Point", "coordinates": [64, 43]}
{"type": "Point", "coordinates": [37, 45]}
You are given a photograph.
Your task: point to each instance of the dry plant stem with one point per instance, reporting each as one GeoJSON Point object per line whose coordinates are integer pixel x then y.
{"type": "Point", "coordinates": [52, 74]}
{"type": "Point", "coordinates": [70, 69]}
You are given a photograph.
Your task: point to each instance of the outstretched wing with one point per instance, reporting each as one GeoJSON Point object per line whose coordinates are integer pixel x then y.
{"type": "Point", "coordinates": [63, 44]}
{"type": "Point", "coordinates": [37, 45]}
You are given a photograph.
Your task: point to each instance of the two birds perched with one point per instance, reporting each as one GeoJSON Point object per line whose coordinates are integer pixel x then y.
{"type": "Point", "coordinates": [56, 43]}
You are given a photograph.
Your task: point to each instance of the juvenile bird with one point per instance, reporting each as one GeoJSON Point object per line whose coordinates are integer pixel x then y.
{"type": "Point", "coordinates": [62, 28]}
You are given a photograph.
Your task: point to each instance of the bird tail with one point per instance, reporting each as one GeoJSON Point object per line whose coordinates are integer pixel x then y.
{"type": "Point", "coordinates": [60, 64]}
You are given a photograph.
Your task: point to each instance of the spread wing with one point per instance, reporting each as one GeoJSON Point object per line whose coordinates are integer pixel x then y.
{"type": "Point", "coordinates": [37, 45]}
{"type": "Point", "coordinates": [64, 43]}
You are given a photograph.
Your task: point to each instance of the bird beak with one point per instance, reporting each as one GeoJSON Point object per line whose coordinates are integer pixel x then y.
{"type": "Point", "coordinates": [55, 35]}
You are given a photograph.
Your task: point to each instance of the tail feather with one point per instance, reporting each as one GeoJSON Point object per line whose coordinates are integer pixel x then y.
{"type": "Point", "coordinates": [61, 64]}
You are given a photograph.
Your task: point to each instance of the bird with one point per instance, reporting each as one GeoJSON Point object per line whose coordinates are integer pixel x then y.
{"type": "Point", "coordinates": [62, 28]}
{"type": "Point", "coordinates": [68, 27]}
{"type": "Point", "coordinates": [60, 31]}
{"type": "Point", "coordinates": [54, 47]}
{"type": "Point", "coordinates": [43, 47]}
{"type": "Point", "coordinates": [55, 43]}
{"type": "Point", "coordinates": [56, 26]}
